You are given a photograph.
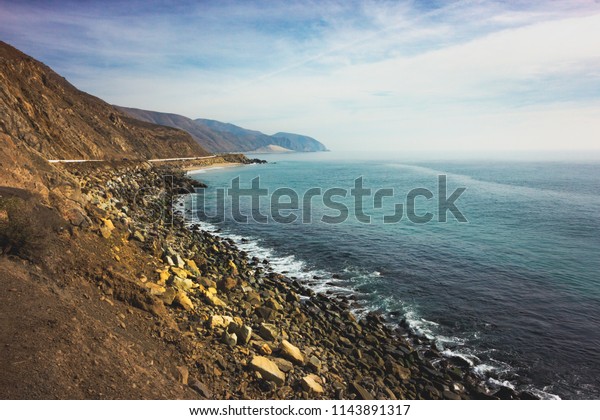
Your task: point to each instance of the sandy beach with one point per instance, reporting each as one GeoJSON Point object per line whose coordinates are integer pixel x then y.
{"type": "Point", "coordinates": [196, 169]}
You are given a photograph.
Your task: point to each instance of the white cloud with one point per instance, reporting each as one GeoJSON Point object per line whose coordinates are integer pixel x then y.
{"type": "Point", "coordinates": [473, 74]}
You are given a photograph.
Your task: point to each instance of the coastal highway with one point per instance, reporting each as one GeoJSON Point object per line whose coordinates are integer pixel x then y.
{"type": "Point", "coordinates": [149, 160]}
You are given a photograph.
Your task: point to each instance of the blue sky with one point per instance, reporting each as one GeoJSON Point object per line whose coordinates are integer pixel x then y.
{"type": "Point", "coordinates": [396, 75]}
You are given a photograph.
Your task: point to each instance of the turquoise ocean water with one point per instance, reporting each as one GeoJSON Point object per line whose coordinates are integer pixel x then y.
{"type": "Point", "coordinates": [514, 291]}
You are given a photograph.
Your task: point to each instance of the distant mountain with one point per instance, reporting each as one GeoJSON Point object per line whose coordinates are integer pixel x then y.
{"type": "Point", "coordinates": [42, 112]}
{"type": "Point", "coordinates": [219, 137]}
{"type": "Point", "coordinates": [299, 142]}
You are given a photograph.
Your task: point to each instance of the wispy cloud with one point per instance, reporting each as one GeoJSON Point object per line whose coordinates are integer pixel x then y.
{"type": "Point", "coordinates": [471, 74]}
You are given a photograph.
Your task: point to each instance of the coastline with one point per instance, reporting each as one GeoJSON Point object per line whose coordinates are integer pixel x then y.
{"type": "Point", "coordinates": [279, 320]}
{"type": "Point", "coordinates": [222, 324]}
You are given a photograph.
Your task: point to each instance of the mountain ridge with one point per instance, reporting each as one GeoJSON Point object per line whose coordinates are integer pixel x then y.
{"type": "Point", "coordinates": [219, 137]}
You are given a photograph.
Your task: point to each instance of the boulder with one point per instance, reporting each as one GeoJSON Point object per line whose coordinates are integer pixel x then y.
{"type": "Point", "coordinates": [311, 383]}
{"type": "Point", "coordinates": [273, 304]}
{"type": "Point", "coordinates": [268, 331]}
{"type": "Point", "coordinates": [180, 272]}
{"type": "Point", "coordinates": [233, 267]}
{"type": "Point", "coordinates": [314, 363]}
{"type": "Point", "coordinates": [361, 392]}
{"type": "Point", "coordinates": [191, 265]}
{"type": "Point", "coordinates": [169, 296]}
{"type": "Point", "coordinates": [229, 339]}
{"type": "Point", "coordinates": [284, 365]}
{"type": "Point", "coordinates": [138, 236]}
{"type": "Point", "coordinates": [268, 370]}
{"type": "Point", "coordinates": [179, 261]}
{"type": "Point", "coordinates": [291, 352]}
{"type": "Point", "coordinates": [201, 389]}
{"type": "Point", "coordinates": [106, 228]}
{"type": "Point", "coordinates": [182, 284]}
{"type": "Point", "coordinates": [243, 332]}
{"type": "Point", "coordinates": [184, 301]}
{"type": "Point", "coordinates": [265, 349]}
{"type": "Point", "coordinates": [227, 283]}
{"type": "Point", "coordinates": [219, 321]}
{"type": "Point", "coordinates": [183, 374]}
{"type": "Point", "coordinates": [213, 300]}
{"type": "Point", "coordinates": [154, 288]}
{"type": "Point", "coordinates": [208, 283]}
{"type": "Point", "coordinates": [163, 276]}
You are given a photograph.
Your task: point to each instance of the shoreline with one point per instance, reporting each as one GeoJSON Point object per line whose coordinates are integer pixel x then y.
{"type": "Point", "coordinates": [198, 169]}
{"type": "Point", "coordinates": [258, 333]}
{"type": "Point", "coordinates": [402, 327]}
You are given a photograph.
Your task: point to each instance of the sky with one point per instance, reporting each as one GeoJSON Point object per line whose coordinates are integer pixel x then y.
{"type": "Point", "coordinates": [356, 75]}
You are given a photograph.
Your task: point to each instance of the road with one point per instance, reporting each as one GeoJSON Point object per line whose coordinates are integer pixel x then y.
{"type": "Point", "coordinates": [150, 160]}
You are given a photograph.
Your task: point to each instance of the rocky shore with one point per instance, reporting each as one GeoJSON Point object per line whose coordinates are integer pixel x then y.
{"type": "Point", "coordinates": [243, 330]}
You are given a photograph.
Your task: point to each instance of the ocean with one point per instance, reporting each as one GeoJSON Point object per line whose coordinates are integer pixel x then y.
{"type": "Point", "coordinates": [512, 287]}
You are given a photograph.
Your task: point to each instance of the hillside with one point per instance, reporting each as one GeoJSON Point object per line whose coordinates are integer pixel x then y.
{"type": "Point", "coordinates": [219, 137]}
{"type": "Point", "coordinates": [299, 142]}
{"type": "Point", "coordinates": [43, 112]}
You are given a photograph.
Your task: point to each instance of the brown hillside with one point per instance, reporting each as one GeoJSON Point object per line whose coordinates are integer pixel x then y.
{"type": "Point", "coordinates": [41, 111]}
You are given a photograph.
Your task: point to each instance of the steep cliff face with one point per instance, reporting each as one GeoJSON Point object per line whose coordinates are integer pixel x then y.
{"type": "Point", "coordinates": [41, 111]}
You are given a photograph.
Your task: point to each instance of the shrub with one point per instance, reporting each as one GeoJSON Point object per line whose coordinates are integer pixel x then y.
{"type": "Point", "coordinates": [21, 232]}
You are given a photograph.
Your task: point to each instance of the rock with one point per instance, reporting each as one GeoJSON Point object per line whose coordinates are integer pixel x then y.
{"type": "Point", "coordinates": [361, 392]}
{"type": "Point", "coordinates": [291, 352]}
{"type": "Point", "coordinates": [213, 300]}
{"type": "Point", "coordinates": [397, 370]}
{"type": "Point", "coordinates": [154, 288]}
{"type": "Point", "coordinates": [448, 395]}
{"type": "Point", "coordinates": [182, 284]}
{"type": "Point", "coordinates": [265, 313]}
{"type": "Point", "coordinates": [179, 261]}
{"type": "Point", "coordinates": [229, 339]}
{"type": "Point", "coordinates": [179, 272]}
{"type": "Point", "coordinates": [268, 331]}
{"type": "Point", "coordinates": [219, 321]}
{"type": "Point", "coordinates": [268, 370]}
{"type": "Point", "coordinates": [273, 304]}
{"type": "Point", "coordinates": [292, 297]}
{"type": "Point", "coordinates": [169, 260]}
{"type": "Point", "coordinates": [183, 374]}
{"type": "Point", "coordinates": [504, 393]}
{"type": "Point", "coordinates": [169, 296]}
{"type": "Point", "coordinates": [137, 235]}
{"type": "Point", "coordinates": [265, 350]}
{"type": "Point", "coordinates": [310, 384]}
{"type": "Point", "coordinates": [106, 228]}
{"type": "Point", "coordinates": [208, 283]}
{"type": "Point", "coordinates": [314, 363]}
{"type": "Point", "coordinates": [233, 267]}
{"type": "Point", "coordinates": [191, 265]}
{"type": "Point", "coordinates": [184, 301]}
{"type": "Point", "coordinates": [201, 389]}
{"type": "Point", "coordinates": [163, 276]}
{"type": "Point", "coordinates": [244, 334]}
{"type": "Point", "coordinates": [227, 283]}
{"type": "Point", "coordinates": [284, 365]}
{"type": "Point", "coordinates": [77, 218]}
{"type": "Point", "coordinates": [253, 298]}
